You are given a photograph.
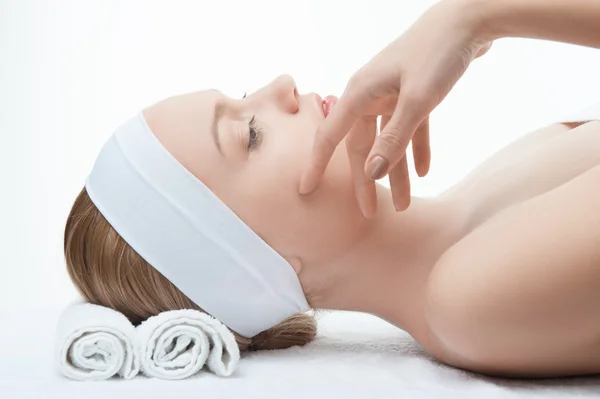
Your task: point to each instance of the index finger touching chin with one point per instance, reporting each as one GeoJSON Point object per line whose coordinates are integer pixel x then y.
{"type": "Point", "coordinates": [329, 134]}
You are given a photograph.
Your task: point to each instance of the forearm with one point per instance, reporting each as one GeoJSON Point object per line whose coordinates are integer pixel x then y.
{"type": "Point", "coordinates": [568, 21]}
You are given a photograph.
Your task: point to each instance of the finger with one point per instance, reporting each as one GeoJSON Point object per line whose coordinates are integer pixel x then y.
{"type": "Point", "coordinates": [358, 144]}
{"type": "Point", "coordinates": [400, 185]}
{"type": "Point", "coordinates": [384, 121]}
{"type": "Point", "coordinates": [391, 144]}
{"type": "Point", "coordinates": [422, 149]}
{"type": "Point", "coordinates": [482, 51]}
{"type": "Point", "coordinates": [329, 134]}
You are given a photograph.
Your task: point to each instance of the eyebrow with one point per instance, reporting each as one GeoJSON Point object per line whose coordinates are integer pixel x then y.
{"type": "Point", "coordinates": [217, 113]}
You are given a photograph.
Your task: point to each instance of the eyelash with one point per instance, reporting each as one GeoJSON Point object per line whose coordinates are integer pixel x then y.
{"type": "Point", "coordinates": [254, 135]}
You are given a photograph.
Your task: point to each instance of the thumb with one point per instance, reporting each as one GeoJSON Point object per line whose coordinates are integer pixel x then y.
{"type": "Point", "coordinates": [390, 146]}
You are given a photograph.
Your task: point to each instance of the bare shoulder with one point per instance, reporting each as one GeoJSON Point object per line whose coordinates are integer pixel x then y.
{"type": "Point", "coordinates": [520, 295]}
{"type": "Point", "coordinates": [565, 219]}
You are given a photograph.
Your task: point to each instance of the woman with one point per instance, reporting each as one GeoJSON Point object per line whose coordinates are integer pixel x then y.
{"type": "Point", "coordinates": [497, 275]}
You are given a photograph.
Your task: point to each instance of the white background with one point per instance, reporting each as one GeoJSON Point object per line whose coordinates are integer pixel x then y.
{"type": "Point", "coordinates": [71, 71]}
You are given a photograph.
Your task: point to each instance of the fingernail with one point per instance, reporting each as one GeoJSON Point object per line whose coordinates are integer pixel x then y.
{"type": "Point", "coordinates": [402, 206]}
{"type": "Point", "coordinates": [377, 167]}
{"type": "Point", "coordinates": [422, 168]}
{"type": "Point", "coordinates": [304, 187]}
{"type": "Point", "coordinates": [368, 213]}
{"type": "Point", "coordinates": [363, 208]}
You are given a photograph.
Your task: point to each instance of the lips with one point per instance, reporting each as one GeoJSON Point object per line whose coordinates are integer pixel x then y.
{"type": "Point", "coordinates": [325, 104]}
{"type": "Point", "coordinates": [328, 104]}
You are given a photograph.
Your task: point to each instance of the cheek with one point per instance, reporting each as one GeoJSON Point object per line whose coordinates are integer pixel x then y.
{"type": "Point", "coordinates": [264, 195]}
{"type": "Point", "coordinates": [316, 226]}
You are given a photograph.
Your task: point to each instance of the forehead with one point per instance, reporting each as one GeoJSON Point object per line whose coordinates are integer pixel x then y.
{"type": "Point", "coordinates": [193, 106]}
{"type": "Point", "coordinates": [182, 124]}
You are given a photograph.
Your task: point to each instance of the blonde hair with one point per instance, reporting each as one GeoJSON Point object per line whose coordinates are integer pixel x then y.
{"type": "Point", "coordinates": [108, 272]}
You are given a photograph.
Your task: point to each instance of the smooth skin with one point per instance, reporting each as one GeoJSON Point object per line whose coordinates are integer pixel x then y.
{"type": "Point", "coordinates": [499, 274]}
{"type": "Point", "coordinates": [413, 74]}
{"type": "Point", "coordinates": [518, 294]}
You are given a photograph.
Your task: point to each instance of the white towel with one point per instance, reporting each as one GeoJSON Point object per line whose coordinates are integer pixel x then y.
{"type": "Point", "coordinates": [177, 344]}
{"type": "Point", "coordinates": [95, 343]}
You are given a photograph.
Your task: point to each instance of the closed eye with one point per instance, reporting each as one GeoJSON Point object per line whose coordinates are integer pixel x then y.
{"type": "Point", "coordinates": [255, 135]}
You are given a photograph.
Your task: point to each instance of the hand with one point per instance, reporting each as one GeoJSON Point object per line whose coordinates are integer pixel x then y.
{"type": "Point", "coordinates": [403, 83]}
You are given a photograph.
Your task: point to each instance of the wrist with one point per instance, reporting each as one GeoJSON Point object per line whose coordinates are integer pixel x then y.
{"type": "Point", "coordinates": [483, 18]}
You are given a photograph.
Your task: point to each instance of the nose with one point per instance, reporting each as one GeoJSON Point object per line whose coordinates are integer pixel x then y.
{"type": "Point", "coordinates": [285, 93]}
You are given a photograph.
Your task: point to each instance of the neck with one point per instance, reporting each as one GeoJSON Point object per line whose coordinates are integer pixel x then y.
{"type": "Point", "coordinates": [386, 271]}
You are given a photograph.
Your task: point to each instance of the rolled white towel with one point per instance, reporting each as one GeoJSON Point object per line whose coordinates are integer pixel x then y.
{"type": "Point", "coordinates": [177, 344]}
{"type": "Point", "coordinates": [95, 343]}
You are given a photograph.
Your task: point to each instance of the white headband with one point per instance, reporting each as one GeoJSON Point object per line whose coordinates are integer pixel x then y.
{"type": "Point", "coordinates": [173, 221]}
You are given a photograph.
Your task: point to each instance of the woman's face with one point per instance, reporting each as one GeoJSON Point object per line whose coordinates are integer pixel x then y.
{"type": "Point", "coordinates": [251, 152]}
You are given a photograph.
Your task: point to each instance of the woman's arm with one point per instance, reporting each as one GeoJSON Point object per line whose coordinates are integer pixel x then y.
{"type": "Point", "coordinates": [417, 70]}
{"type": "Point", "coordinates": [568, 21]}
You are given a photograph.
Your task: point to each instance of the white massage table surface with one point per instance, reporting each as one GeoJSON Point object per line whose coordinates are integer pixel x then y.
{"type": "Point", "coordinates": [355, 356]}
